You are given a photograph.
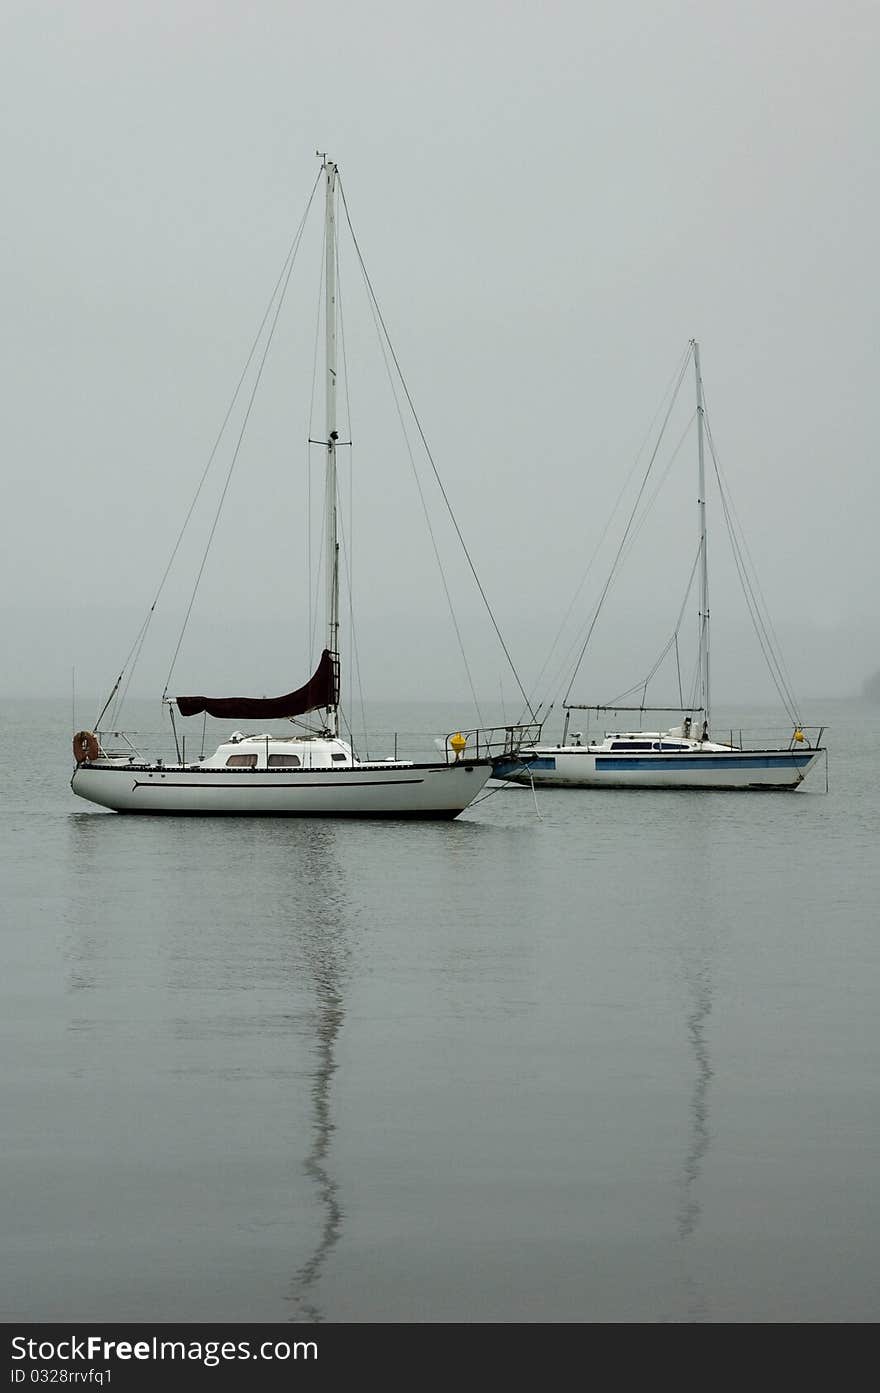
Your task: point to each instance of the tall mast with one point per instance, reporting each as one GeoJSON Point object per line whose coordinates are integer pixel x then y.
{"type": "Point", "coordinates": [704, 568]}
{"type": "Point", "coordinates": [332, 559]}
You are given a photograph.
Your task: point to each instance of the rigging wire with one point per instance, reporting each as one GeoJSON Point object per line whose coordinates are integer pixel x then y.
{"type": "Point", "coordinates": [136, 648]}
{"type": "Point", "coordinates": [755, 603]}
{"type": "Point", "coordinates": [678, 671]}
{"type": "Point", "coordinates": [672, 640]}
{"type": "Point", "coordinates": [436, 472]}
{"type": "Point", "coordinates": [627, 529]}
{"type": "Point", "coordinates": [638, 526]}
{"type": "Point", "coordinates": [563, 665]}
{"type": "Point", "coordinates": [385, 348]}
{"type": "Point", "coordinates": [235, 453]}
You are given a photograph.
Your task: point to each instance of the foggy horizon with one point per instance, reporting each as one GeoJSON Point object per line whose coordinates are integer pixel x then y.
{"type": "Point", "coordinates": [550, 204]}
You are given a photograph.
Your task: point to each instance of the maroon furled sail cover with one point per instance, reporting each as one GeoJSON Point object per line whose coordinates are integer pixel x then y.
{"type": "Point", "coordinates": [320, 690]}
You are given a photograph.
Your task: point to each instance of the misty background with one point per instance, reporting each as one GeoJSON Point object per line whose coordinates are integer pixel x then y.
{"type": "Point", "coordinates": [550, 200]}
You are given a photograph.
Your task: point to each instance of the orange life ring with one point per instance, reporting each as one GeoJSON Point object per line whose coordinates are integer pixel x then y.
{"type": "Point", "coordinates": [85, 746]}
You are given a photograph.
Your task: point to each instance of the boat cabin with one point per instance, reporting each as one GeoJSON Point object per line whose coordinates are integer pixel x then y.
{"type": "Point", "coordinates": [279, 752]}
{"type": "Point", "coordinates": [636, 742]}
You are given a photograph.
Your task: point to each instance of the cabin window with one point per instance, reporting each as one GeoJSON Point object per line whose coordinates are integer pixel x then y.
{"type": "Point", "coordinates": [338, 758]}
{"type": "Point", "coordinates": [241, 762]}
{"type": "Point", "coordinates": [632, 745]}
{"type": "Point", "coordinates": [284, 761]}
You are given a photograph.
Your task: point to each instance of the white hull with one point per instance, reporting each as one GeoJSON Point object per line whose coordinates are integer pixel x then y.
{"type": "Point", "coordinates": [404, 790]}
{"type": "Point", "coordinates": [574, 766]}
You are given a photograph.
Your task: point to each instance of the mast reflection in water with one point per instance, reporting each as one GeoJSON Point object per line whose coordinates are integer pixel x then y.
{"type": "Point", "coordinates": [697, 980]}
{"type": "Point", "coordinates": [324, 950]}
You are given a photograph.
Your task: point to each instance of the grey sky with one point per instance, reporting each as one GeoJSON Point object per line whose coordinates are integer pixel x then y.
{"type": "Point", "coordinates": [551, 199]}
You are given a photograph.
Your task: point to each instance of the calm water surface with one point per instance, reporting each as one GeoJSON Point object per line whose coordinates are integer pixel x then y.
{"type": "Point", "coordinates": [618, 1061]}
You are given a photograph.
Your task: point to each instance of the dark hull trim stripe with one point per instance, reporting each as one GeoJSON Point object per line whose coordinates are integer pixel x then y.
{"type": "Point", "coordinates": [252, 783]}
{"type": "Point", "coordinates": [434, 814]}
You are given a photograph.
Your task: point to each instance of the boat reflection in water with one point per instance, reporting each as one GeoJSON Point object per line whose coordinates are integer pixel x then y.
{"type": "Point", "coordinates": [198, 1067]}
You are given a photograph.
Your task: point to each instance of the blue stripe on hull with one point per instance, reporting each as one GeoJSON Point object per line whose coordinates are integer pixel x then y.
{"type": "Point", "coordinates": [665, 764]}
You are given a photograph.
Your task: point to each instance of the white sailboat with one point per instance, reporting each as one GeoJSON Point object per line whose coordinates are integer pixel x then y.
{"type": "Point", "coordinates": [317, 774]}
{"type": "Point", "coordinates": [683, 756]}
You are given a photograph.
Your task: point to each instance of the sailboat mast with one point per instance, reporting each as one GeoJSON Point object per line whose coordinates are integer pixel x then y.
{"type": "Point", "coordinates": [704, 568]}
{"type": "Point", "coordinates": [332, 558]}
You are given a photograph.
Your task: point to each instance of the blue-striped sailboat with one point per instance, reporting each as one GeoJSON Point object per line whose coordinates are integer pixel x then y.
{"type": "Point", "coordinates": [683, 756]}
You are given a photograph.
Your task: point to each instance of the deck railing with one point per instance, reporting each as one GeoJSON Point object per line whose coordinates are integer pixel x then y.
{"type": "Point", "coordinates": [490, 742]}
